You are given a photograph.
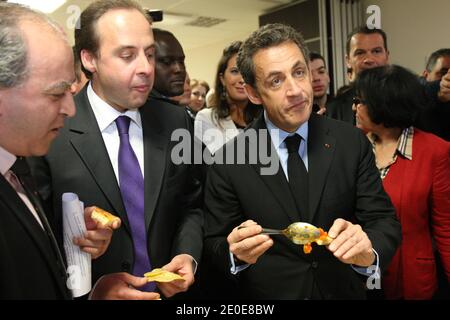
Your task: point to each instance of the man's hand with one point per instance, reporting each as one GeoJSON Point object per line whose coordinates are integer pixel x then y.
{"type": "Point", "coordinates": [444, 88]}
{"type": "Point", "coordinates": [97, 238]}
{"type": "Point", "coordinates": [121, 286]}
{"type": "Point", "coordinates": [351, 244]}
{"type": "Point", "coordinates": [246, 243]}
{"type": "Point", "coordinates": [182, 265]}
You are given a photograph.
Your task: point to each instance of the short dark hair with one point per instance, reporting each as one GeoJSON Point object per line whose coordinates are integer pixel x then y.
{"type": "Point", "coordinates": [269, 35]}
{"type": "Point", "coordinates": [157, 33]}
{"type": "Point", "coordinates": [444, 52]}
{"type": "Point", "coordinates": [393, 95]}
{"type": "Point", "coordinates": [86, 36]}
{"type": "Point", "coordinates": [315, 55]}
{"type": "Point", "coordinates": [365, 30]}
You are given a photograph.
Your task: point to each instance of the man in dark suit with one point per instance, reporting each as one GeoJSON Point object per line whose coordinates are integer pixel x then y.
{"type": "Point", "coordinates": [330, 180]}
{"type": "Point", "coordinates": [169, 67]}
{"type": "Point", "coordinates": [366, 48]}
{"type": "Point", "coordinates": [117, 49]}
{"type": "Point", "coordinates": [35, 98]}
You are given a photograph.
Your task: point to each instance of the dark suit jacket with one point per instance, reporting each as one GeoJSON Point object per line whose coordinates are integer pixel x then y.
{"type": "Point", "coordinates": [340, 108]}
{"type": "Point", "coordinates": [434, 117]}
{"type": "Point", "coordinates": [343, 183]}
{"type": "Point", "coordinates": [78, 162]}
{"type": "Point", "coordinates": [28, 265]}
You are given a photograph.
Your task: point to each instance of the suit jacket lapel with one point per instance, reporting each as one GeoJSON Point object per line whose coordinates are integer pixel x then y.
{"type": "Point", "coordinates": [23, 214]}
{"type": "Point", "coordinates": [321, 147]}
{"type": "Point", "coordinates": [87, 140]}
{"type": "Point", "coordinates": [277, 183]}
{"type": "Point", "coordinates": [155, 154]}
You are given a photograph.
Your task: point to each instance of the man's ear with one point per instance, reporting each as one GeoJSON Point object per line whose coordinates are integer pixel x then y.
{"type": "Point", "coordinates": [252, 94]}
{"type": "Point", "coordinates": [347, 61]}
{"type": "Point", "coordinates": [425, 73]}
{"type": "Point", "coordinates": [89, 60]}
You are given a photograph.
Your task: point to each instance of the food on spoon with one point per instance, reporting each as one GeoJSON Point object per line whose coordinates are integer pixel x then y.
{"type": "Point", "coordinates": [305, 233]}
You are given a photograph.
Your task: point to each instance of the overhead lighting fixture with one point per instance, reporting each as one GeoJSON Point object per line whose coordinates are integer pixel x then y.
{"type": "Point", "coordinates": [173, 19]}
{"type": "Point", "coordinates": [47, 6]}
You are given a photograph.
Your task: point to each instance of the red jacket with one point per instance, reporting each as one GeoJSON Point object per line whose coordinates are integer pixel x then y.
{"type": "Point", "coordinates": [420, 191]}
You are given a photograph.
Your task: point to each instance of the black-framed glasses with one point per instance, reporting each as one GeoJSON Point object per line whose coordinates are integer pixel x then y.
{"type": "Point", "coordinates": [357, 100]}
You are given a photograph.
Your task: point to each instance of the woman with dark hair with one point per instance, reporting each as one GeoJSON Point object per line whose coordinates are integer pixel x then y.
{"type": "Point", "coordinates": [415, 168]}
{"type": "Point", "coordinates": [231, 111]}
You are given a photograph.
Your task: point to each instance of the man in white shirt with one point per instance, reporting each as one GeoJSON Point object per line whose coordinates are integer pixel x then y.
{"type": "Point", "coordinates": [35, 99]}
{"type": "Point", "coordinates": [94, 156]}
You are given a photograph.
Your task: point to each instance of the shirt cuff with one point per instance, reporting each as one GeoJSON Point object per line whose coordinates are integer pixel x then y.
{"type": "Point", "coordinates": [194, 265]}
{"type": "Point", "coordinates": [372, 270]}
{"type": "Point", "coordinates": [234, 268]}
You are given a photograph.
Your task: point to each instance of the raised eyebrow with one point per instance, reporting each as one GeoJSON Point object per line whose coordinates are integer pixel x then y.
{"type": "Point", "coordinates": [121, 48]}
{"type": "Point", "coordinates": [152, 46]}
{"type": "Point", "coordinates": [295, 66]}
{"type": "Point", "coordinates": [299, 64]}
{"type": "Point", "coordinates": [63, 85]}
{"type": "Point", "coordinates": [272, 74]}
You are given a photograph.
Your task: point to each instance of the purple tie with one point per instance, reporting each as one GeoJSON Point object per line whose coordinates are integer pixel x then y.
{"type": "Point", "coordinates": [132, 190]}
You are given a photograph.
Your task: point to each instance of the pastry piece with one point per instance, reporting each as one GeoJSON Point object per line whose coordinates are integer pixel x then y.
{"type": "Point", "coordinates": [161, 275]}
{"type": "Point", "coordinates": [104, 218]}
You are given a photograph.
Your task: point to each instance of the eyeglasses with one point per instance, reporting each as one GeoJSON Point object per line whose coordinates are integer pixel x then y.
{"type": "Point", "coordinates": [358, 100]}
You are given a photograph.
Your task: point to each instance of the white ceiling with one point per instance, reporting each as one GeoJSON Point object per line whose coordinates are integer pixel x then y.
{"type": "Point", "coordinates": [241, 17]}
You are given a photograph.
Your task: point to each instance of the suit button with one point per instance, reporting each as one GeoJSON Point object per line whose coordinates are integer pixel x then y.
{"type": "Point", "coordinates": [314, 264]}
{"type": "Point", "coordinates": [126, 266]}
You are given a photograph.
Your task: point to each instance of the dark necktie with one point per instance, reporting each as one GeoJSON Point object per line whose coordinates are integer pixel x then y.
{"type": "Point", "coordinates": [132, 190]}
{"type": "Point", "coordinates": [298, 176]}
{"type": "Point", "coordinates": [23, 173]}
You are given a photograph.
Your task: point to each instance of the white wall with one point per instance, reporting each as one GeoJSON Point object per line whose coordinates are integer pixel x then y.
{"type": "Point", "coordinates": [415, 28]}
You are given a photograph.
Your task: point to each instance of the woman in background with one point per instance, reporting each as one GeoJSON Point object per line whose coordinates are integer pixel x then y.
{"type": "Point", "coordinates": [231, 110]}
{"type": "Point", "coordinates": [199, 89]}
{"type": "Point", "coordinates": [415, 168]}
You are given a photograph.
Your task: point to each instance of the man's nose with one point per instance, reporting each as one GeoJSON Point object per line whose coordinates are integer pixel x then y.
{"type": "Point", "coordinates": [144, 65]}
{"type": "Point", "coordinates": [294, 88]}
{"type": "Point", "coordinates": [68, 105]}
{"type": "Point", "coordinates": [178, 66]}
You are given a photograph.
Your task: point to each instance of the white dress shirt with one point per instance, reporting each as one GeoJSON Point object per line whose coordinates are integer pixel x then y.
{"type": "Point", "coordinates": [105, 116]}
{"type": "Point", "coordinates": [6, 162]}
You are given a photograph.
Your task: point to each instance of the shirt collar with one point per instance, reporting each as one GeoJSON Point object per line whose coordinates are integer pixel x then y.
{"type": "Point", "coordinates": [278, 135]}
{"type": "Point", "coordinates": [404, 145]}
{"type": "Point", "coordinates": [105, 114]}
{"type": "Point", "coordinates": [7, 160]}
